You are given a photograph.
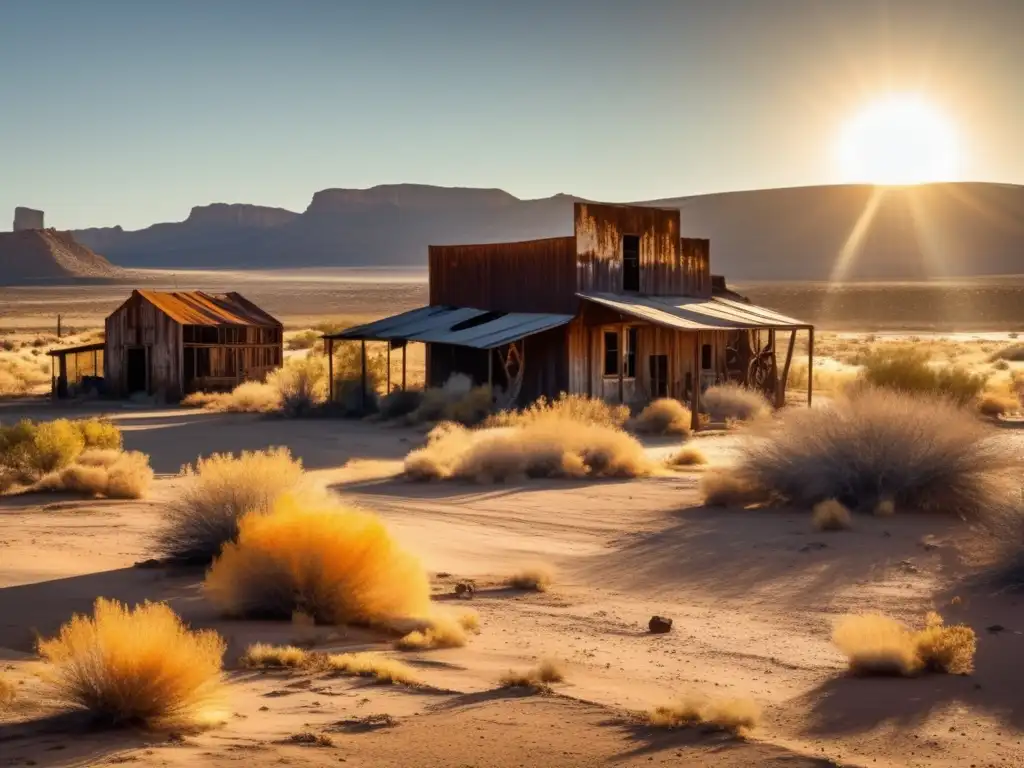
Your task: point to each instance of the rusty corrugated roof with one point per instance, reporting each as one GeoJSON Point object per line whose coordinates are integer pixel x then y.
{"type": "Point", "coordinates": [201, 308]}
{"type": "Point", "coordinates": [690, 314]}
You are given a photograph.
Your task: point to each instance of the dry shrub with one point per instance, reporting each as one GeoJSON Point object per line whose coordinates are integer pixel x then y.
{"type": "Point", "coordinates": [735, 715]}
{"type": "Point", "coordinates": [545, 448]}
{"type": "Point", "coordinates": [579, 409]}
{"type": "Point", "coordinates": [103, 472]}
{"type": "Point", "coordinates": [380, 668]}
{"type": "Point", "coordinates": [440, 631]}
{"type": "Point", "coordinates": [907, 369]}
{"type": "Point", "coordinates": [400, 403]}
{"type": "Point", "coordinates": [1013, 353]}
{"type": "Point", "coordinates": [825, 379]}
{"type": "Point", "coordinates": [1001, 365]}
{"type": "Point", "coordinates": [30, 449]}
{"type": "Point", "coordinates": [99, 434]}
{"type": "Point", "coordinates": [921, 453]}
{"type": "Point", "coordinates": [538, 678]}
{"type": "Point", "coordinates": [247, 397]}
{"type": "Point", "coordinates": [687, 456]}
{"type": "Point", "coordinates": [315, 556]}
{"type": "Point", "coordinates": [538, 578]}
{"type": "Point", "coordinates": [457, 401]}
{"type": "Point", "coordinates": [20, 375]}
{"type": "Point", "coordinates": [731, 402]}
{"type": "Point", "coordinates": [8, 693]}
{"type": "Point", "coordinates": [663, 417]}
{"type": "Point", "coordinates": [301, 384]}
{"type": "Point", "coordinates": [302, 340]}
{"type": "Point", "coordinates": [727, 488]}
{"type": "Point", "coordinates": [880, 646]}
{"type": "Point", "coordinates": [310, 739]}
{"type": "Point", "coordinates": [266, 656]}
{"type": "Point", "coordinates": [138, 665]}
{"type": "Point", "coordinates": [995, 404]}
{"type": "Point", "coordinates": [219, 491]}
{"type": "Point", "coordinates": [830, 515]}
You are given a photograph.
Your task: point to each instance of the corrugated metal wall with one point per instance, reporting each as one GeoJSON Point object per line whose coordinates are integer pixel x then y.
{"type": "Point", "coordinates": [531, 276]}
{"type": "Point", "coordinates": [667, 266]}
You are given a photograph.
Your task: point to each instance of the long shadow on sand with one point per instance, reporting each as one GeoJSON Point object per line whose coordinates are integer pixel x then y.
{"type": "Point", "coordinates": [734, 553]}
{"type": "Point", "coordinates": [67, 739]}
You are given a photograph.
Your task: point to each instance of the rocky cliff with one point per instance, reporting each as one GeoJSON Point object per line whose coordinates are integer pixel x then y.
{"type": "Point", "coordinates": [45, 254]}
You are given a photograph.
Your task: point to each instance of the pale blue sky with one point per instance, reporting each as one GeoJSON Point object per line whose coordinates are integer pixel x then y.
{"type": "Point", "coordinates": [130, 112]}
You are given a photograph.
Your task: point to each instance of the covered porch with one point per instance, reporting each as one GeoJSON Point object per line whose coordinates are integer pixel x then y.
{"type": "Point", "coordinates": [634, 349]}
{"type": "Point", "coordinates": [73, 368]}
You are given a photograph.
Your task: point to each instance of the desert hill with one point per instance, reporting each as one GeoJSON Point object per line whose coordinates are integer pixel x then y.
{"type": "Point", "coordinates": [933, 230]}
{"type": "Point", "coordinates": [31, 255]}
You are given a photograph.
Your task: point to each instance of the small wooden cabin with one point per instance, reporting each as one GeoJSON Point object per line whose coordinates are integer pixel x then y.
{"type": "Point", "coordinates": [624, 309]}
{"type": "Point", "coordinates": [170, 344]}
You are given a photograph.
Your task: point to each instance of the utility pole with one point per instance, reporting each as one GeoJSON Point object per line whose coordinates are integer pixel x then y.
{"type": "Point", "coordinates": [58, 326]}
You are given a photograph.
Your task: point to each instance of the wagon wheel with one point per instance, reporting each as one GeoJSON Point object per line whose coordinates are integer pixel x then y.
{"type": "Point", "coordinates": [512, 363]}
{"type": "Point", "coordinates": [761, 373]}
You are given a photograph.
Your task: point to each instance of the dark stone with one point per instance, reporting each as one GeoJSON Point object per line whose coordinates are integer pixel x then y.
{"type": "Point", "coordinates": [659, 625]}
{"type": "Point", "coordinates": [464, 589]}
{"type": "Point", "coordinates": [996, 628]}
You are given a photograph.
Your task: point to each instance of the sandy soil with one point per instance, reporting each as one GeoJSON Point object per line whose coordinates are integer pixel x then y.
{"type": "Point", "coordinates": [753, 596]}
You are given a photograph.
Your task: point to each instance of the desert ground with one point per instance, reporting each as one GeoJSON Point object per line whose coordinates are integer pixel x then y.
{"type": "Point", "coordinates": [754, 595]}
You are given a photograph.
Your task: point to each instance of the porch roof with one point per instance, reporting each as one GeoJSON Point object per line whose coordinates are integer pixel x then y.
{"type": "Point", "coordinates": [690, 314]}
{"type": "Point", "coordinates": [462, 326]}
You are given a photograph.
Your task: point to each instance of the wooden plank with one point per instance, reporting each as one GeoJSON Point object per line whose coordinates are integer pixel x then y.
{"type": "Point", "coordinates": [329, 349]}
{"type": "Point", "coordinates": [622, 363]}
{"type": "Point", "coordinates": [780, 390]}
{"type": "Point", "coordinates": [695, 395]}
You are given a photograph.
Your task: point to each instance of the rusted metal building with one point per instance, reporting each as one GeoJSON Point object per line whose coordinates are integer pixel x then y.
{"type": "Point", "coordinates": [625, 309]}
{"type": "Point", "coordinates": [172, 343]}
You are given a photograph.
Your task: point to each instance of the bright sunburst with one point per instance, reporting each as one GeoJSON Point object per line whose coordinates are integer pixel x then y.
{"type": "Point", "coordinates": [901, 139]}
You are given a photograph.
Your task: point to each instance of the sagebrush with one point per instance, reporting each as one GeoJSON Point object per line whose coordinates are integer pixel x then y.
{"type": "Point", "coordinates": [102, 472]}
{"type": "Point", "coordinates": [731, 402]}
{"type": "Point", "coordinates": [909, 370]}
{"type": "Point", "coordinates": [30, 450]}
{"type": "Point", "coordinates": [313, 555]}
{"type": "Point", "coordinates": [735, 715]}
{"type": "Point", "coordinates": [578, 409]}
{"type": "Point", "coordinates": [665, 416]}
{"type": "Point", "coordinates": [440, 631]}
{"type": "Point", "coordinates": [217, 492]}
{"type": "Point", "coordinates": [878, 645]}
{"type": "Point", "coordinates": [134, 665]}
{"type": "Point", "coordinates": [537, 578]}
{"type": "Point", "coordinates": [539, 677]}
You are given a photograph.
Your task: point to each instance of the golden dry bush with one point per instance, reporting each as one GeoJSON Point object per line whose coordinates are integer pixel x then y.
{"type": "Point", "coordinates": [100, 434]}
{"type": "Point", "coordinates": [266, 656]}
{"type": "Point", "coordinates": [687, 456]}
{"type": "Point", "coordinates": [885, 508]}
{"type": "Point", "coordinates": [546, 448]}
{"type": "Point", "coordinates": [102, 472]}
{"type": "Point", "coordinates": [879, 645]}
{"type": "Point", "coordinates": [731, 402]}
{"type": "Point", "coordinates": [665, 416]}
{"type": "Point", "coordinates": [8, 693]}
{"type": "Point", "coordinates": [994, 404]}
{"type": "Point", "coordinates": [575, 408]}
{"type": "Point", "coordinates": [20, 374]}
{"type": "Point", "coordinates": [314, 555]}
{"type": "Point", "coordinates": [727, 488]}
{"type": "Point", "coordinates": [735, 715]}
{"type": "Point", "coordinates": [381, 668]}
{"type": "Point", "coordinates": [830, 515]}
{"type": "Point", "coordinates": [134, 665]}
{"type": "Point", "coordinates": [538, 577]}
{"type": "Point", "coordinates": [301, 384]}
{"type": "Point", "coordinates": [539, 677]}
{"type": "Point", "coordinates": [440, 631]}
{"type": "Point", "coordinates": [218, 491]}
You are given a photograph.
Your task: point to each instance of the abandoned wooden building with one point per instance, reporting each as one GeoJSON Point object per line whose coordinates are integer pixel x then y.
{"type": "Point", "coordinates": [170, 344]}
{"type": "Point", "coordinates": [625, 309]}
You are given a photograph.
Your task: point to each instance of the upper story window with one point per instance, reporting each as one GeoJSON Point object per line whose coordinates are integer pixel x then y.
{"type": "Point", "coordinates": [631, 262]}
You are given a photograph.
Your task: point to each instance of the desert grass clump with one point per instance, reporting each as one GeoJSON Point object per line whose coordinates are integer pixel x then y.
{"type": "Point", "coordinates": [547, 448]}
{"type": "Point", "coordinates": [266, 656]}
{"type": "Point", "coordinates": [921, 453]}
{"type": "Point", "coordinates": [728, 488]}
{"type": "Point", "coordinates": [313, 555]}
{"type": "Point", "coordinates": [536, 578]}
{"type": "Point", "coordinates": [996, 404]}
{"type": "Point", "coordinates": [21, 375]}
{"type": "Point", "coordinates": [1013, 353]}
{"type": "Point", "coordinates": [578, 409]}
{"type": "Point", "coordinates": [876, 645]}
{"type": "Point", "coordinates": [830, 515]}
{"type": "Point", "coordinates": [665, 416]}
{"type": "Point", "coordinates": [372, 665]}
{"type": "Point", "coordinates": [247, 397]}
{"type": "Point", "coordinates": [733, 715]}
{"type": "Point", "coordinates": [219, 490]}
{"type": "Point", "coordinates": [302, 340]}
{"type": "Point", "coordinates": [100, 434]}
{"type": "Point", "coordinates": [457, 401]}
{"type": "Point", "coordinates": [301, 384]}
{"type": "Point", "coordinates": [907, 369]}
{"type": "Point", "coordinates": [687, 456]}
{"type": "Point", "coordinates": [8, 693]}
{"type": "Point", "coordinates": [134, 665]}
{"type": "Point", "coordinates": [440, 631]}
{"type": "Point", "coordinates": [400, 403]}
{"type": "Point", "coordinates": [102, 472]}
{"type": "Point", "coordinates": [538, 678]}
{"type": "Point", "coordinates": [731, 402]}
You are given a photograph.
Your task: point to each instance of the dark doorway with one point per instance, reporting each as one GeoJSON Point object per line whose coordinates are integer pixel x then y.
{"type": "Point", "coordinates": [135, 370]}
{"type": "Point", "coordinates": [659, 375]}
{"type": "Point", "coordinates": [630, 262]}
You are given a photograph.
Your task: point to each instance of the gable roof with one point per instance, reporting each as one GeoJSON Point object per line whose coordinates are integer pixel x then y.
{"type": "Point", "coordinates": [201, 308]}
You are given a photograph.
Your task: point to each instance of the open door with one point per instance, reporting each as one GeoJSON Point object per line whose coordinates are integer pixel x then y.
{"type": "Point", "coordinates": [658, 376]}
{"type": "Point", "coordinates": [136, 370]}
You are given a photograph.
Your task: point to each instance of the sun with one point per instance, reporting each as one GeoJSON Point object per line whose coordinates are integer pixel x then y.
{"type": "Point", "coordinates": [901, 139]}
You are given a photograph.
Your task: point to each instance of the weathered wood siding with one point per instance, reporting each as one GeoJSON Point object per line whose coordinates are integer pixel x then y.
{"type": "Point", "coordinates": [137, 323]}
{"type": "Point", "coordinates": [669, 266]}
{"type": "Point", "coordinates": [530, 276]}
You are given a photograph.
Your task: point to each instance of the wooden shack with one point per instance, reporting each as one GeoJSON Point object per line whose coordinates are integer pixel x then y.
{"type": "Point", "coordinates": [625, 309]}
{"type": "Point", "coordinates": [169, 344]}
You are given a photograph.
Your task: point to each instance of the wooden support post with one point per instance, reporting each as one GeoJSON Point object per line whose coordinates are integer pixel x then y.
{"type": "Point", "coordinates": [810, 366]}
{"type": "Point", "coordinates": [58, 326]}
{"type": "Point", "coordinates": [588, 335]}
{"type": "Point", "coordinates": [622, 363]}
{"type": "Point", "coordinates": [329, 349]}
{"type": "Point", "coordinates": [405, 349]}
{"type": "Point", "coordinates": [362, 376]}
{"type": "Point", "coordinates": [780, 389]}
{"type": "Point", "coordinates": [388, 390]}
{"type": "Point", "coordinates": [695, 394]}
{"type": "Point", "coordinates": [490, 371]}
{"type": "Point", "coordinates": [95, 362]}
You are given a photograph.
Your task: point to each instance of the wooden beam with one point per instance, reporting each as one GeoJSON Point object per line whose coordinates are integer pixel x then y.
{"type": "Point", "coordinates": [780, 389]}
{"type": "Point", "coordinates": [388, 390]}
{"type": "Point", "coordinates": [810, 366]}
{"type": "Point", "coordinates": [622, 363]}
{"type": "Point", "coordinates": [329, 349]}
{"type": "Point", "coordinates": [362, 376]}
{"type": "Point", "coordinates": [588, 337]}
{"type": "Point", "coordinates": [405, 348]}
{"type": "Point", "coordinates": [695, 394]}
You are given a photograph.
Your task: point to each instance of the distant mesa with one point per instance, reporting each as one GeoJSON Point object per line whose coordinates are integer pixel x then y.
{"type": "Point", "coordinates": [27, 218]}
{"type": "Point", "coordinates": [32, 253]}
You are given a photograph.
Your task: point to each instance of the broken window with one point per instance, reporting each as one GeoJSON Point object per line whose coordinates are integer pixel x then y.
{"type": "Point", "coordinates": [630, 262]}
{"type": "Point", "coordinates": [705, 357]}
{"type": "Point", "coordinates": [611, 353]}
